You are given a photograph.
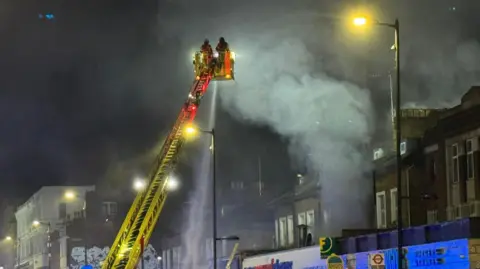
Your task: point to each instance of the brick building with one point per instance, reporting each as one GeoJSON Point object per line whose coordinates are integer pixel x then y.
{"type": "Point", "coordinates": [452, 152]}
{"type": "Point", "coordinates": [439, 166]}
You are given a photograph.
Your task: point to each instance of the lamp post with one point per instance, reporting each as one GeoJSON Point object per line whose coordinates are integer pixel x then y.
{"type": "Point", "coordinates": [159, 262]}
{"type": "Point", "coordinates": [360, 21]}
{"type": "Point", "coordinates": [191, 131]}
{"type": "Point", "coordinates": [37, 223]}
{"type": "Point", "coordinates": [69, 195]}
{"type": "Point", "coordinates": [139, 185]}
{"type": "Point", "coordinates": [9, 240]}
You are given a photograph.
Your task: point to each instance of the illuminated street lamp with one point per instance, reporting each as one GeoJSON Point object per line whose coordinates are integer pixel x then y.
{"type": "Point", "coordinates": [139, 184]}
{"type": "Point", "coordinates": [69, 195]}
{"type": "Point", "coordinates": [72, 196]}
{"type": "Point", "coordinates": [172, 183]}
{"type": "Point", "coordinates": [361, 21]}
{"type": "Point", "coordinates": [8, 238]}
{"type": "Point", "coordinates": [37, 223]}
{"type": "Point", "coordinates": [191, 131]}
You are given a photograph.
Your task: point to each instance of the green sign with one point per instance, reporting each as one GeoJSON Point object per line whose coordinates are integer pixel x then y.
{"type": "Point", "coordinates": [335, 262]}
{"type": "Point", "coordinates": [327, 246]}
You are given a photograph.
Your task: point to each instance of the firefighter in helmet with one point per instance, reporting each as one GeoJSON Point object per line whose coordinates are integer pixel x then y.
{"type": "Point", "coordinates": [221, 48]}
{"type": "Point", "coordinates": [207, 52]}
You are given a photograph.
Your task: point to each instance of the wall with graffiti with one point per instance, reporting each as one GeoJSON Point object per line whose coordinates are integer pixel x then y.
{"type": "Point", "coordinates": [96, 255]}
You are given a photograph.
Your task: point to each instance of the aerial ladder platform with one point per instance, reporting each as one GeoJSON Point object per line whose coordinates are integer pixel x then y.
{"type": "Point", "coordinates": [142, 217]}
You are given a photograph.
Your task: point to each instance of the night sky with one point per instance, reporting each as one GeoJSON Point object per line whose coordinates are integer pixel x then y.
{"type": "Point", "coordinates": [91, 88]}
{"type": "Point", "coordinates": [77, 90]}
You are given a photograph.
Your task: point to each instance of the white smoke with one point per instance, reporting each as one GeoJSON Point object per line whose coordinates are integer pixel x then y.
{"type": "Point", "coordinates": [326, 120]}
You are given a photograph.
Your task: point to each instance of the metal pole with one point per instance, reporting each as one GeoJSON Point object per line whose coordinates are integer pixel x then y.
{"type": "Point", "coordinates": [141, 253]}
{"type": "Point", "coordinates": [48, 246]}
{"type": "Point", "coordinates": [17, 253]}
{"type": "Point", "coordinates": [398, 153]}
{"type": "Point", "coordinates": [214, 200]}
{"type": "Point", "coordinates": [85, 229]}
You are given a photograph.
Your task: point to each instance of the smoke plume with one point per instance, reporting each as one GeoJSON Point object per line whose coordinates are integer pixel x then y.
{"type": "Point", "coordinates": [326, 120]}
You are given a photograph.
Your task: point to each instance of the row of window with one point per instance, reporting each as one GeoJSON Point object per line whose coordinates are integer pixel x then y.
{"type": "Point", "coordinates": [239, 185]}
{"type": "Point", "coordinates": [33, 245]}
{"type": "Point", "coordinates": [108, 209]}
{"type": "Point", "coordinates": [284, 227]}
{"type": "Point", "coordinates": [236, 185]}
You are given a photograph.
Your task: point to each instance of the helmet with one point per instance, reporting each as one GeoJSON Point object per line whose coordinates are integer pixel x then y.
{"type": "Point", "coordinates": [222, 40]}
{"type": "Point", "coordinates": [206, 41]}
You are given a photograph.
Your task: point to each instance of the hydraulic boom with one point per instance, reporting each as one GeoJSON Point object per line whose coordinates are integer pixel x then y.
{"type": "Point", "coordinates": [140, 221]}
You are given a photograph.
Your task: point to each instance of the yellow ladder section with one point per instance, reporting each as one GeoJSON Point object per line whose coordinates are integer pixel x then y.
{"type": "Point", "coordinates": [146, 208]}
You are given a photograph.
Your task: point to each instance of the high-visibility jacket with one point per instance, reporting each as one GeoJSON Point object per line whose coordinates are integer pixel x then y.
{"type": "Point", "coordinates": [206, 49]}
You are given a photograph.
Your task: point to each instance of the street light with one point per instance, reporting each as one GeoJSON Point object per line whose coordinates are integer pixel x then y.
{"type": "Point", "coordinates": [189, 132]}
{"type": "Point", "coordinates": [9, 240]}
{"type": "Point", "coordinates": [37, 223]}
{"type": "Point", "coordinates": [172, 183]}
{"type": "Point", "coordinates": [361, 21]}
{"type": "Point", "coordinates": [71, 196]}
{"type": "Point", "coordinates": [159, 262]}
{"type": "Point", "coordinates": [139, 184]}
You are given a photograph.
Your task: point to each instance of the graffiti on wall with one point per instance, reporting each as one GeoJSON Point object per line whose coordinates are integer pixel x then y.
{"type": "Point", "coordinates": [96, 255]}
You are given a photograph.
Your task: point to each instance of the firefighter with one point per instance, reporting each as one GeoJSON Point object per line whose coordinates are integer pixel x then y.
{"type": "Point", "coordinates": [207, 52]}
{"type": "Point", "coordinates": [221, 48]}
{"type": "Point", "coordinates": [222, 45]}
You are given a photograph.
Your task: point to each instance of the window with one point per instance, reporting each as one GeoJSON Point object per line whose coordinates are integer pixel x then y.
{"type": "Point", "coordinates": [109, 209]}
{"type": "Point", "coordinates": [432, 216]}
{"type": "Point", "coordinates": [113, 208]}
{"type": "Point", "coordinates": [381, 212]}
{"type": "Point", "coordinates": [393, 204]}
{"type": "Point", "coordinates": [455, 164]}
{"type": "Point", "coordinates": [77, 214]}
{"type": "Point", "coordinates": [261, 187]}
{"type": "Point", "coordinates": [403, 148]}
{"type": "Point", "coordinates": [290, 229]}
{"type": "Point", "coordinates": [470, 160]}
{"type": "Point", "coordinates": [283, 231]}
{"type": "Point", "coordinates": [432, 170]}
{"type": "Point", "coordinates": [301, 218]}
{"type": "Point", "coordinates": [310, 222]}
{"type": "Point", "coordinates": [62, 210]}
{"type": "Point", "coordinates": [300, 179]}
{"type": "Point", "coordinates": [277, 236]}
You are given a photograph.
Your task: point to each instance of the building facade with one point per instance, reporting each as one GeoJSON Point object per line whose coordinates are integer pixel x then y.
{"type": "Point", "coordinates": [453, 154]}
{"type": "Point", "coordinates": [296, 214]}
{"type": "Point", "coordinates": [47, 211]}
{"type": "Point", "coordinates": [440, 166]}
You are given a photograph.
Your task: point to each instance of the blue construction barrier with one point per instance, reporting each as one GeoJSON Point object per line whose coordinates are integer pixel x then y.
{"type": "Point", "coordinates": [446, 231]}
